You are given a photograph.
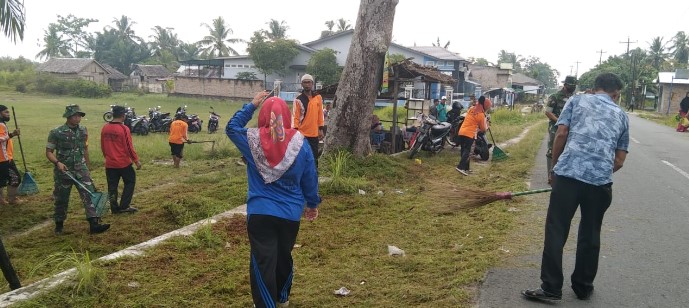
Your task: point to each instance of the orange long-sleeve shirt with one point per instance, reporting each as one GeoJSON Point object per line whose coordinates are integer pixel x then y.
{"type": "Point", "coordinates": [308, 114]}
{"type": "Point", "coordinates": [6, 148]}
{"type": "Point", "coordinates": [473, 120]}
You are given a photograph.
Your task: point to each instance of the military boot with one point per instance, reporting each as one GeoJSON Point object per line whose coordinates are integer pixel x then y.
{"type": "Point", "coordinates": [12, 196]}
{"type": "Point", "coordinates": [95, 226]}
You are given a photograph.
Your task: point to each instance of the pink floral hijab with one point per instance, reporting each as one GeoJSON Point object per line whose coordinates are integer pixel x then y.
{"type": "Point", "coordinates": [274, 144]}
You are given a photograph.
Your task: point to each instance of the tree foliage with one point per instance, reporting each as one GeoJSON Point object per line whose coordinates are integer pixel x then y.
{"type": "Point", "coordinates": [73, 28]}
{"type": "Point", "coordinates": [534, 68]}
{"type": "Point", "coordinates": [246, 76]}
{"type": "Point", "coordinates": [216, 43]}
{"type": "Point", "coordinates": [12, 19]}
{"type": "Point", "coordinates": [271, 56]}
{"type": "Point", "coordinates": [109, 48]}
{"type": "Point", "coordinates": [323, 66]}
{"type": "Point", "coordinates": [276, 30]}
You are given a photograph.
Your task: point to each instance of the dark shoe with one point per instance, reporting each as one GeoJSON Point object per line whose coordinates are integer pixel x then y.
{"type": "Point", "coordinates": [125, 210]}
{"type": "Point", "coordinates": [96, 227]}
{"type": "Point", "coordinates": [582, 295]}
{"type": "Point", "coordinates": [541, 295]}
{"type": "Point", "coordinates": [59, 225]}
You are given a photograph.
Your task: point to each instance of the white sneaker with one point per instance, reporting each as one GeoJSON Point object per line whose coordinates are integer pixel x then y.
{"type": "Point", "coordinates": [282, 305]}
{"type": "Point", "coordinates": [461, 171]}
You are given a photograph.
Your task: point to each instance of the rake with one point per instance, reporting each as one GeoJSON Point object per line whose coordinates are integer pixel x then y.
{"type": "Point", "coordinates": [28, 185]}
{"type": "Point", "coordinates": [99, 200]}
{"type": "Point", "coordinates": [204, 141]}
{"type": "Point", "coordinates": [498, 153]}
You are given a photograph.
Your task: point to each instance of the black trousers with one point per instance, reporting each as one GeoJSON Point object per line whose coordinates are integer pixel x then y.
{"type": "Point", "coordinates": [567, 195]}
{"type": "Point", "coordinates": [128, 176]}
{"type": "Point", "coordinates": [272, 239]}
{"type": "Point", "coordinates": [465, 143]}
{"type": "Point", "coordinates": [313, 143]}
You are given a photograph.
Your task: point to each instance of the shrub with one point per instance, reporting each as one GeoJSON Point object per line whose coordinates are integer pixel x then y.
{"type": "Point", "coordinates": [89, 89]}
{"type": "Point", "coordinates": [20, 88]}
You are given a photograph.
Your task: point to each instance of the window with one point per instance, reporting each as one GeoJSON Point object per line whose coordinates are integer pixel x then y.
{"type": "Point", "coordinates": [233, 65]}
{"type": "Point", "coordinates": [441, 63]}
{"type": "Point", "coordinates": [430, 63]}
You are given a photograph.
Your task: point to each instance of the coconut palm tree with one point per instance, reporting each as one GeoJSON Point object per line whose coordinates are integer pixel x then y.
{"type": "Point", "coordinates": [163, 40]}
{"type": "Point", "coordinates": [216, 42]}
{"type": "Point", "coordinates": [55, 45]}
{"type": "Point", "coordinates": [656, 52]}
{"type": "Point", "coordinates": [343, 25]}
{"type": "Point", "coordinates": [680, 47]}
{"type": "Point", "coordinates": [123, 26]}
{"type": "Point", "coordinates": [330, 24]}
{"type": "Point", "coordinates": [12, 19]}
{"type": "Point", "coordinates": [276, 30]}
{"type": "Point", "coordinates": [188, 51]}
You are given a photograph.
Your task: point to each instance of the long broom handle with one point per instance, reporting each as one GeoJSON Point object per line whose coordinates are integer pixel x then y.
{"type": "Point", "coordinates": [530, 192]}
{"type": "Point", "coordinates": [491, 136]}
{"type": "Point", "coordinates": [21, 150]}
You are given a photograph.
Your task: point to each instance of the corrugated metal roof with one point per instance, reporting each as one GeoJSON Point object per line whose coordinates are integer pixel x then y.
{"type": "Point", "coordinates": [438, 52]}
{"type": "Point", "coordinates": [667, 77]}
{"type": "Point", "coordinates": [521, 79]}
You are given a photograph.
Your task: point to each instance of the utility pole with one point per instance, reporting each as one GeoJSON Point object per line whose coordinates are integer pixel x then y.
{"type": "Point", "coordinates": [600, 59]}
{"type": "Point", "coordinates": [631, 82]}
{"type": "Point", "coordinates": [570, 69]}
{"type": "Point", "coordinates": [576, 73]}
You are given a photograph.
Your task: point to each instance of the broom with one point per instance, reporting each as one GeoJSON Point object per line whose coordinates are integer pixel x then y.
{"type": "Point", "coordinates": [498, 153]}
{"type": "Point", "coordinates": [473, 198]}
{"type": "Point", "coordinates": [28, 186]}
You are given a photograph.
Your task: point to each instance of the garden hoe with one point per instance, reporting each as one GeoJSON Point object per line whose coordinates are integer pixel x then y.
{"type": "Point", "coordinates": [28, 186]}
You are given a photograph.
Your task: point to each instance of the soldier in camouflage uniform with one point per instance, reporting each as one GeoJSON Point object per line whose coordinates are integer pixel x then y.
{"type": "Point", "coordinates": [67, 149]}
{"type": "Point", "coordinates": [555, 104]}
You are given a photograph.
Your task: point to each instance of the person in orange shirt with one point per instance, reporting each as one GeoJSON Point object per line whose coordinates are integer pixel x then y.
{"type": "Point", "coordinates": [8, 169]}
{"type": "Point", "coordinates": [475, 118]}
{"type": "Point", "coordinates": [177, 138]}
{"type": "Point", "coordinates": [308, 114]}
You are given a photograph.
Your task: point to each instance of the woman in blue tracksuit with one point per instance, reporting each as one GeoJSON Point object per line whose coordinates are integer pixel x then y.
{"type": "Point", "coordinates": [282, 178]}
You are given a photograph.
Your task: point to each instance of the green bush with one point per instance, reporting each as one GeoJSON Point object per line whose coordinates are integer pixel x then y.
{"type": "Point", "coordinates": [51, 85]}
{"type": "Point", "coordinates": [88, 89]}
{"type": "Point", "coordinates": [20, 88]}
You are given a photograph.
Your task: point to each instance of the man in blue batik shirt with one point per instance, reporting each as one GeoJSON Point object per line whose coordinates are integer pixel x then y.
{"type": "Point", "coordinates": [590, 144]}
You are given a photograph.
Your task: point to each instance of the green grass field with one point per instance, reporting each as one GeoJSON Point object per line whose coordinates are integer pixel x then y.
{"type": "Point", "coordinates": [447, 255]}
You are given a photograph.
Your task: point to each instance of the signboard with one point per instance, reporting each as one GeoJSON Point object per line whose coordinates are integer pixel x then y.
{"type": "Point", "coordinates": [386, 75]}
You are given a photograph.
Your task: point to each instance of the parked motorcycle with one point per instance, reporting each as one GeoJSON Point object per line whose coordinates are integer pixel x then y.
{"type": "Point", "coordinates": [159, 121]}
{"type": "Point", "coordinates": [431, 136]}
{"type": "Point", "coordinates": [194, 123]}
{"type": "Point", "coordinates": [213, 120]}
{"type": "Point", "coordinates": [137, 124]}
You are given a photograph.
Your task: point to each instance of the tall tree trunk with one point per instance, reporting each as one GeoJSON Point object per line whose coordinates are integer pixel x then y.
{"type": "Point", "coordinates": [350, 124]}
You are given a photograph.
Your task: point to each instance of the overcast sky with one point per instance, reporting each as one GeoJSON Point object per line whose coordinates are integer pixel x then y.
{"type": "Point", "coordinates": [479, 29]}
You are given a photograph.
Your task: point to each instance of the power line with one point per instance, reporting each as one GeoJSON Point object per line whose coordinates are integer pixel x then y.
{"type": "Point", "coordinates": [576, 74]}
{"type": "Point", "coordinates": [631, 68]}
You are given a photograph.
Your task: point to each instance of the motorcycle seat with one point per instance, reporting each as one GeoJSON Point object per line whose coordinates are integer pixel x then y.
{"type": "Point", "coordinates": [441, 127]}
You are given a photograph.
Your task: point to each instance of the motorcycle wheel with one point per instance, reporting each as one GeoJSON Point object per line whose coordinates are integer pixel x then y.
{"type": "Point", "coordinates": [144, 130]}
{"type": "Point", "coordinates": [416, 146]}
{"type": "Point", "coordinates": [107, 117]}
{"type": "Point", "coordinates": [449, 141]}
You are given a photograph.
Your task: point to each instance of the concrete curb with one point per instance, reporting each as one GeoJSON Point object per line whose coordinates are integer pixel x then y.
{"type": "Point", "coordinates": [35, 289]}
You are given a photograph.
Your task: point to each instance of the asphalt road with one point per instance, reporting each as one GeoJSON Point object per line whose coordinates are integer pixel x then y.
{"type": "Point", "coordinates": [645, 239]}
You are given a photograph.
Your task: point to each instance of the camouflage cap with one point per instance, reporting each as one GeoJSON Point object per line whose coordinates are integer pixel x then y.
{"type": "Point", "coordinates": [571, 80]}
{"type": "Point", "coordinates": [72, 110]}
